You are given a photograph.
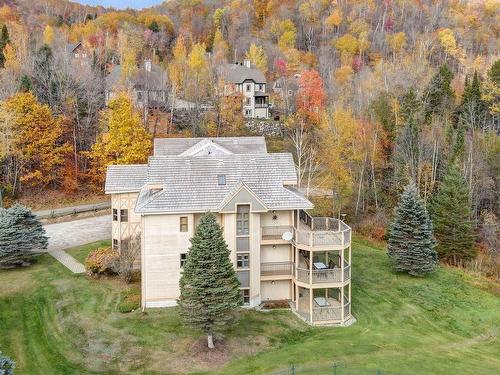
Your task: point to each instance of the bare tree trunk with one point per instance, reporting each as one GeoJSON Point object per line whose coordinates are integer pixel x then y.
{"type": "Point", "coordinates": [210, 340]}
{"type": "Point", "coordinates": [359, 185]}
{"type": "Point", "coordinates": [373, 171]}
{"type": "Point", "coordinates": [172, 106]}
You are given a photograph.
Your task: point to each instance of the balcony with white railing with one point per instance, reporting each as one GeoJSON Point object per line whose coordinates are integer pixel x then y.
{"type": "Point", "coordinates": [275, 233]}
{"type": "Point", "coordinates": [323, 307]}
{"type": "Point", "coordinates": [276, 268]}
{"type": "Point", "coordinates": [321, 232]}
{"type": "Point", "coordinates": [323, 276]}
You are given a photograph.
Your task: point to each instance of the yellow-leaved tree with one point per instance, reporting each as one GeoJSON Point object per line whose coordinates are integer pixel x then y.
{"type": "Point", "coordinates": [257, 56]}
{"type": "Point", "coordinates": [448, 42]}
{"type": "Point", "coordinates": [128, 64]}
{"type": "Point", "coordinates": [48, 35]}
{"type": "Point", "coordinates": [338, 137]}
{"type": "Point", "coordinates": [124, 140]}
{"type": "Point", "coordinates": [177, 71]}
{"type": "Point", "coordinates": [36, 152]}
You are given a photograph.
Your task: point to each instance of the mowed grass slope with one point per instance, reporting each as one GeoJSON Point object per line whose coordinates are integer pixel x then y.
{"type": "Point", "coordinates": [52, 322]}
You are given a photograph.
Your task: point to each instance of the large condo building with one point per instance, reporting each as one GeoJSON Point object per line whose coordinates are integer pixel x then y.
{"type": "Point", "coordinates": [279, 251]}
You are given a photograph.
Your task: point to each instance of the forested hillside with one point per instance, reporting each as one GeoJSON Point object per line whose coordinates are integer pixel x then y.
{"type": "Point", "coordinates": [386, 92]}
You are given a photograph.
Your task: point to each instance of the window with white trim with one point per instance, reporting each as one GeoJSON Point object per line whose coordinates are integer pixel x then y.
{"type": "Point", "coordinates": [243, 260]}
{"type": "Point", "coordinates": [242, 220]}
{"type": "Point", "coordinates": [245, 296]}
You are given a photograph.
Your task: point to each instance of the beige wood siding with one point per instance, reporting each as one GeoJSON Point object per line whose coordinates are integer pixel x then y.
{"type": "Point", "coordinates": [121, 231]}
{"type": "Point", "coordinates": [163, 244]}
{"type": "Point", "coordinates": [276, 290]}
{"type": "Point", "coordinates": [280, 253]}
{"type": "Point", "coordinates": [243, 197]}
{"type": "Point", "coordinates": [282, 218]}
{"type": "Point", "coordinates": [254, 259]}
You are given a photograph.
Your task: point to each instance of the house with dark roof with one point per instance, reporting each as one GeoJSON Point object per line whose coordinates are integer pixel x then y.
{"type": "Point", "coordinates": [280, 252]}
{"type": "Point", "coordinates": [78, 53]}
{"type": "Point", "coordinates": [285, 91]}
{"type": "Point", "coordinates": [248, 81]}
{"type": "Point", "coordinates": [148, 86]}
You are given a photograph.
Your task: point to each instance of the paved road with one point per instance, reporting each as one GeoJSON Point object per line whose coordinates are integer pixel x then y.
{"type": "Point", "coordinates": [75, 233]}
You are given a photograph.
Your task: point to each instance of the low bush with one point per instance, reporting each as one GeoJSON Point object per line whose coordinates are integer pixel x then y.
{"type": "Point", "coordinates": [373, 226]}
{"type": "Point", "coordinates": [102, 261]}
{"type": "Point", "coordinates": [130, 300]}
{"type": "Point", "coordinates": [269, 305]}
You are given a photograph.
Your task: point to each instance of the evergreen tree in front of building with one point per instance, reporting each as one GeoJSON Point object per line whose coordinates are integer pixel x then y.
{"type": "Point", "coordinates": [411, 243]}
{"type": "Point", "coordinates": [22, 237]}
{"type": "Point", "coordinates": [7, 365]}
{"type": "Point", "coordinates": [209, 287]}
{"type": "Point", "coordinates": [451, 215]}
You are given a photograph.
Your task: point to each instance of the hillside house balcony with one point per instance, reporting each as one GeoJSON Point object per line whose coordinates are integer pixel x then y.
{"type": "Point", "coordinates": [321, 232]}
{"type": "Point", "coordinates": [324, 305]}
{"type": "Point", "coordinates": [326, 267]}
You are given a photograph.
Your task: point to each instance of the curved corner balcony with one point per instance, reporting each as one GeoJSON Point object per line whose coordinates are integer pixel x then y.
{"type": "Point", "coordinates": [321, 232]}
{"type": "Point", "coordinates": [324, 276]}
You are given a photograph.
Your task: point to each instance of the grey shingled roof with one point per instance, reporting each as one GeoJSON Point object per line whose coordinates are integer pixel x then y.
{"type": "Point", "coordinates": [156, 79]}
{"type": "Point", "coordinates": [237, 73]}
{"type": "Point", "coordinates": [70, 47]}
{"type": "Point", "coordinates": [235, 145]}
{"type": "Point", "coordinates": [125, 178]}
{"type": "Point", "coordinates": [191, 183]}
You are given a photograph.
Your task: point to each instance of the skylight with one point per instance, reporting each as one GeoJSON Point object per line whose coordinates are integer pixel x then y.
{"type": "Point", "coordinates": [221, 179]}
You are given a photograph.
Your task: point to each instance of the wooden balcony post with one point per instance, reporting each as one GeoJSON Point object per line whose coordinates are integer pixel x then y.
{"type": "Point", "coordinates": [350, 304]}
{"type": "Point", "coordinates": [342, 302]}
{"type": "Point", "coordinates": [310, 266]}
{"type": "Point", "coordinates": [342, 257]}
{"type": "Point", "coordinates": [296, 297]}
{"type": "Point", "coordinates": [311, 304]}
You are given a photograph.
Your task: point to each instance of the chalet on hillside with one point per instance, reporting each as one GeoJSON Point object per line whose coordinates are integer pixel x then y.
{"type": "Point", "coordinates": [246, 80]}
{"type": "Point", "coordinates": [148, 86]}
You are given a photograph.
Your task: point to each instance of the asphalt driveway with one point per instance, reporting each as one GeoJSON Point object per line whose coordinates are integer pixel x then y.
{"type": "Point", "coordinates": [75, 233]}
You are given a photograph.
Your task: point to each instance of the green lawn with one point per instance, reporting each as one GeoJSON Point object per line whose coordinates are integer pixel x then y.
{"type": "Point", "coordinates": [53, 322]}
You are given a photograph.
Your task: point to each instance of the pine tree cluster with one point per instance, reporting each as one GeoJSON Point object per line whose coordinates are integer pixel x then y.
{"type": "Point", "coordinates": [22, 237]}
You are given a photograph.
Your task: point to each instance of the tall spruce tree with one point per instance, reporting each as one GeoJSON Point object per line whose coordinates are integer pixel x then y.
{"type": "Point", "coordinates": [4, 39]}
{"type": "Point", "coordinates": [473, 111]}
{"type": "Point", "coordinates": [451, 215]}
{"type": "Point", "coordinates": [209, 286]}
{"type": "Point", "coordinates": [411, 243]}
{"type": "Point", "coordinates": [439, 96]}
{"type": "Point", "coordinates": [7, 365]}
{"type": "Point", "coordinates": [22, 237]}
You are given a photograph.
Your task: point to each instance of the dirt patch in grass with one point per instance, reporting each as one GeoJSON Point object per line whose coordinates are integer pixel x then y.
{"type": "Point", "coordinates": [210, 358]}
{"type": "Point", "coordinates": [14, 281]}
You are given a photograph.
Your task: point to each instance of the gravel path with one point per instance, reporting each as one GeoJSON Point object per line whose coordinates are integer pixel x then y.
{"type": "Point", "coordinates": [75, 233]}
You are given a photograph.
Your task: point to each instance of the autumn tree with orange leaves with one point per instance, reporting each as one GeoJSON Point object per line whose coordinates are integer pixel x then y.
{"type": "Point", "coordinates": [311, 96]}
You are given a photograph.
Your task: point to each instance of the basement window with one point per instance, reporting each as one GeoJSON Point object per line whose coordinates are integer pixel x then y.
{"type": "Point", "coordinates": [245, 295]}
{"type": "Point", "coordinates": [221, 179]}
